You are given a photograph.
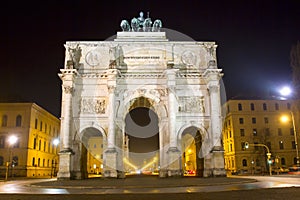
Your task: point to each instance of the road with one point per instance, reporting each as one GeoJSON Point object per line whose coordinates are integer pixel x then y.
{"type": "Point", "coordinates": [265, 185]}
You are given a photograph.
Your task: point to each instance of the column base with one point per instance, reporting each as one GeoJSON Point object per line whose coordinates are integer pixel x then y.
{"type": "Point", "coordinates": [64, 170]}
{"type": "Point", "coordinates": [174, 165]}
{"type": "Point", "coordinates": [218, 162]}
{"type": "Point", "coordinates": [110, 168]}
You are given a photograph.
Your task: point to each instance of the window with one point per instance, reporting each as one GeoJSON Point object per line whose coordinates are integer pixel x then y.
{"type": "Point", "coordinates": [252, 106]}
{"type": "Point", "coordinates": [288, 105]}
{"type": "Point", "coordinates": [279, 132]}
{"type": "Point", "coordinates": [283, 161]}
{"type": "Point", "coordinates": [281, 145]}
{"type": "Point", "coordinates": [291, 131]}
{"type": "Point", "coordinates": [18, 121]}
{"type": "Point", "coordinates": [293, 145]}
{"type": "Point", "coordinates": [264, 106]}
{"type": "Point", "coordinates": [241, 120]}
{"type": "Point", "coordinates": [243, 145]}
{"type": "Point", "coordinates": [240, 107]}
{"type": "Point", "coordinates": [232, 163]}
{"type": "Point", "coordinates": [43, 163]}
{"type": "Point", "coordinates": [1, 160]}
{"type": "Point", "coordinates": [33, 161]}
{"type": "Point", "coordinates": [36, 123]}
{"type": "Point", "coordinates": [45, 128]}
{"type": "Point", "coordinates": [39, 162]}
{"type": "Point", "coordinates": [229, 134]}
{"type": "Point", "coordinates": [254, 132]}
{"type": "Point", "coordinates": [267, 131]}
{"type": "Point", "coordinates": [48, 163]}
{"type": "Point", "coordinates": [244, 163]}
{"type": "Point", "coordinates": [95, 146]}
{"type": "Point", "coordinates": [253, 120]}
{"type": "Point", "coordinates": [40, 144]}
{"type": "Point", "coordinates": [242, 132]}
{"type": "Point", "coordinates": [15, 161]}
{"type": "Point", "coordinates": [45, 144]}
{"type": "Point", "coordinates": [276, 106]}
{"type": "Point", "coordinates": [2, 141]}
{"type": "Point", "coordinates": [34, 143]}
{"type": "Point", "coordinates": [41, 126]}
{"type": "Point", "coordinates": [4, 120]}
{"type": "Point", "coordinates": [266, 120]}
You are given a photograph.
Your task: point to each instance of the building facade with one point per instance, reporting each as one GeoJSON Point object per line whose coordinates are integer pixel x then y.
{"type": "Point", "coordinates": [258, 122]}
{"type": "Point", "coordinates": [32, 152]}
{"type": "Point", "coordinates": [103, 81]}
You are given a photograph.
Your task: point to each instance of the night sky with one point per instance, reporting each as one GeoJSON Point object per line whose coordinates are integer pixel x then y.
{"type": "Point", "coordinates": [254, 37]}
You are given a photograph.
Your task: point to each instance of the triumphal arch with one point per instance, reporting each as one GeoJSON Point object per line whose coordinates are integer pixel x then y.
{"type": "Point", "coordinates": [140, 85]}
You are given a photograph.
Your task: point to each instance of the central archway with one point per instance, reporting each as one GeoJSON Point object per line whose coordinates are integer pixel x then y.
{"type": "Point", "coordinates": [142, 131]}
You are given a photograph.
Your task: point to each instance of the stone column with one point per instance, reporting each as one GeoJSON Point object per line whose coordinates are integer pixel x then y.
{"type": "Point", "coordinates": [217, 158]}
{"type": "Point", "coordinates": [110, 162]}
{"type": "Point", "coordinates": [67, 76]}
{"type": "Point", "coordinates": [174, 158]}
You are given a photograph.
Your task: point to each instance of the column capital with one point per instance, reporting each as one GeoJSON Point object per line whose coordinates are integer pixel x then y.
{"type": "Point", "coordinates": [68, 89]}
{"type": "Point", "coordinates": [213, 74]}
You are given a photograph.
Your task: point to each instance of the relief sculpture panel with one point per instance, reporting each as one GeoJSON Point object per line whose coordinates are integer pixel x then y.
{"type": "Point", "coordinates": [93, 105]}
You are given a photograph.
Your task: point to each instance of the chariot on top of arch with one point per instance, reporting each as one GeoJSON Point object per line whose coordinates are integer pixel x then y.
{"type": "Point", "coordinates": [140, 24]}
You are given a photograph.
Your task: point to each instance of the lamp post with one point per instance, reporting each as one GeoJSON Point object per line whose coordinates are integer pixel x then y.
{"type": "Point", "coordinates": [285, 119]}
{"type": "Point", "coordinates": [53, 166]}
{"type": "Point", "coordinates": [268, 153]}
{"type": "Point", "coordinates": [11, 141]}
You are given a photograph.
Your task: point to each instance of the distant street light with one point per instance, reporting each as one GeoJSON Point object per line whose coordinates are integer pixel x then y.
{"type": "Point", "coordinates": [285, 91]}
{"type": "Point", "coordinates": [285, 119]}
{"type": "Point", "coordinates": [11, 140]}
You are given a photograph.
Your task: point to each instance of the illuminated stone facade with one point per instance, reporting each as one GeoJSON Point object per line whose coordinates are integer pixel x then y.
{"type": "Point", "coordinates": [33, 154]}
{"type": "Point", "coordinates": [103, 81]}
{"type": "Point", "coordinates": [258, 122]}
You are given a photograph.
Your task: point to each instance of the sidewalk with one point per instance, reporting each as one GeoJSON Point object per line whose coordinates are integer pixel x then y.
{"type": "Point", "coordinates": [141, 181]}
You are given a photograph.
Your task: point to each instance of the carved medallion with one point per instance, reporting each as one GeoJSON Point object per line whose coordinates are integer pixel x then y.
{"type": "Point", "coordinates": [189, 58]}
{"type": "Point", "coordinates": [92, 58]}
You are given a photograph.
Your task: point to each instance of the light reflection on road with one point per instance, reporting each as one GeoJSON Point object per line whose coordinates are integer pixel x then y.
{"type": "Point", "coordinates": [24, 187]}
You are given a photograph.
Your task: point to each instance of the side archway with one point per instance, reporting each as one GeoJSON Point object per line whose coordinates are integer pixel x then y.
{"type": "Point", "coordinates": [191, 138]}
{"type": "Point", "coordinates": [93, 144]}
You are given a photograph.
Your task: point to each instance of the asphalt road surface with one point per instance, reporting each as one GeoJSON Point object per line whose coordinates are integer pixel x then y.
{"type": "Point", "coordinates": [260, 187]}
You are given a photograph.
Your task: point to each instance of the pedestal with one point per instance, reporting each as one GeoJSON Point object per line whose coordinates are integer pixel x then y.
{"type": "Point", "coordinates": [110, 170]}
{"type": "Point", "coordinates": [174, 163]}
{"type": "Point", "coordinates": [64, 171]}
{"type": "Point", "coordinates": [218, 162]}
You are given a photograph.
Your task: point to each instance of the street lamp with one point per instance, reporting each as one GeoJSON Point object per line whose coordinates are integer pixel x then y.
{"type": "Point", "coordinates": [284, 118]}
{"type": "Point", "coordinates": [11, 141]}
{"type": "Point", "coordinates": [55, 142]}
